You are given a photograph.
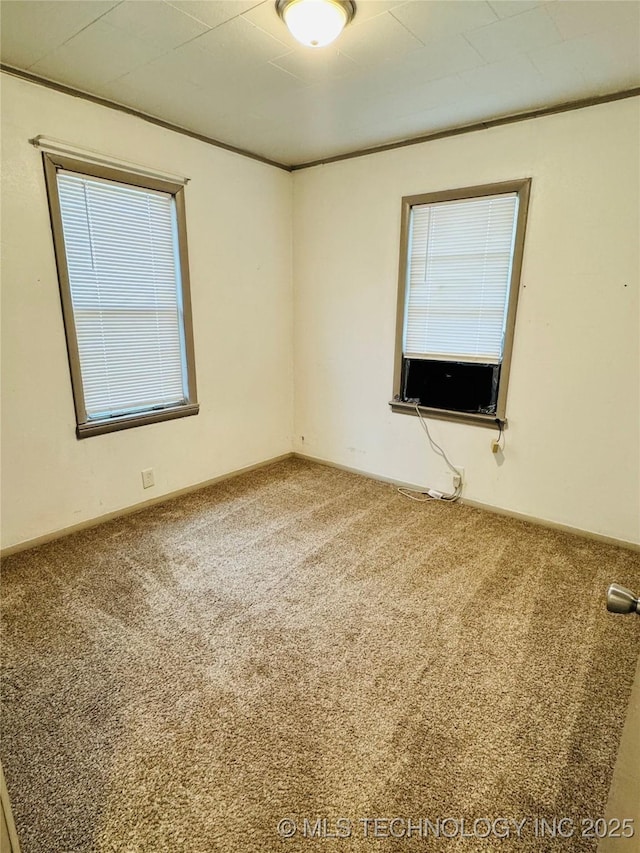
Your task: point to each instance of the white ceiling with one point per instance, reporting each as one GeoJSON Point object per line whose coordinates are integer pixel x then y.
{"type": "Point", "coordinates": [228, 69]}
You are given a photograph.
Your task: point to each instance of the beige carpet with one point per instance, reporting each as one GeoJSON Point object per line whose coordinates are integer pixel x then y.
{"type": "Point", "coordinates": [304, 643]}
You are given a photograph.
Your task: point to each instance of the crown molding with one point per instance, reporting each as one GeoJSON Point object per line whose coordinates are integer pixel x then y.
{"type": "Point", "coordinates": [565, 106]}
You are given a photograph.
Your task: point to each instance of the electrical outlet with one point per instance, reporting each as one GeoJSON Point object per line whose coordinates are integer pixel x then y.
{"type": "Point", "coordinates": [147, 478]}
{"type": "Point", "coordinates": [458, 479]}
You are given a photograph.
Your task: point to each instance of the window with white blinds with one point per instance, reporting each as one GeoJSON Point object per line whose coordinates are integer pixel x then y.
{"type": "Point", "coordinates": [459, 264]}
{"type": "Point", "coordinates": [459, 276]}
{"type": "Point", "coordinates": [122, 277]}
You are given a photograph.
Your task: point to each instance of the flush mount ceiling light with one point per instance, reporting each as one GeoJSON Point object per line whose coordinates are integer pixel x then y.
{"type": "Point", "coordinates": [316, 23]}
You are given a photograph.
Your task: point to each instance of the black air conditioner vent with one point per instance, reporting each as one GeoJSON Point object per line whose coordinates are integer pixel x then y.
{"type": "Point", "coordinates": [457, 386]}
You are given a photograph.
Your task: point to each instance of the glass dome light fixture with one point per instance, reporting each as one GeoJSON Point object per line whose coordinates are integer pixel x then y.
{"type": "Point", "coordinates": [316, 23]}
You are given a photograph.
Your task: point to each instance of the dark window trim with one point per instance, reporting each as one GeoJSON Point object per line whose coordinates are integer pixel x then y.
{"type": "Point", "coordinates": [96, 427]}
{"type": "Point", "coordinates": [84, 426]}
{"type": "Point", "coordinates": [476, 418]}
{"type": "Point", "coordinates": [521, 186]}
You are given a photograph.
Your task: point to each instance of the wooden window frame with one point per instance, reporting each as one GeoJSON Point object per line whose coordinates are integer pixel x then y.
{"type": "Point", "coordinates": [85, 426]}
{"type": "Point", "coordinates": [523, 188]}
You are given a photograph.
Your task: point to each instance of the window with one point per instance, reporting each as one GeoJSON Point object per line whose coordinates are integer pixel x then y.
{"type": "Point", "coordinates": [121, 253]}
{"type": "Point", "coordinates": [460, 260]}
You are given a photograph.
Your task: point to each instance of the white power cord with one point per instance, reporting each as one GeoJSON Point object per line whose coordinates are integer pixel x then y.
{"type": "Point", "coordinates": [432, 494]}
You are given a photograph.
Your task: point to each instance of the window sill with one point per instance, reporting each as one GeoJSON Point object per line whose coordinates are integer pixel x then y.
{"type": "Point", "coordinates": [447, 415]}
{"type": "Point", "coordinates": [96, 427]}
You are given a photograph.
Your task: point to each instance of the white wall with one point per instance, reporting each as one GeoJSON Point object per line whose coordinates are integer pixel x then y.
{"type": "Point", "coordinates": [573, 442]}
{"type": "Point", "coordinates": [239, 235]}
{"type": "Point", "coordinates": [572, 445]}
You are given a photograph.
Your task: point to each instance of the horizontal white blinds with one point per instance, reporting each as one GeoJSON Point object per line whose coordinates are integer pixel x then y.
{"type": "Point", "coordinates": [459, 263]}
{"type": "Point", "coordinates": [124, 277]}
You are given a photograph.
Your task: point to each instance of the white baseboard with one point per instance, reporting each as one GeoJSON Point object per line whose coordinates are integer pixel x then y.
{"type": "Point", "coordinates": [94, 522]}
{"type": "Point", "coordinates": [497, 510]}
{"type": "Point", "coordinates": [167, 496]}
